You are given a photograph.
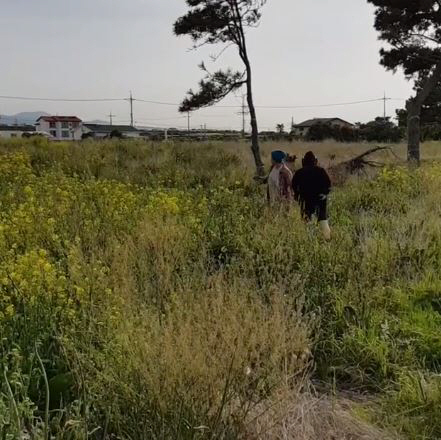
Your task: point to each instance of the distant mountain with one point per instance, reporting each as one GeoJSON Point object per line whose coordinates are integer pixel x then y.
{"type": "Point", "coordinates": [31, 118]}
{"type": "Point", "coordinates": [21, 118]}
{"type": "Point", "coordinates": [97, 121]}
{"type": "Point", "coordinates": [145, 127]}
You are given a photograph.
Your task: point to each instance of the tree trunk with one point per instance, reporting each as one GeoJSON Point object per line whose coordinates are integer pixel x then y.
{"type": "Point", "coordinates": [414, 107]}
{"type": "Point", "coordinates": [255, 147]}
{"type": "Point", "coordinates": [413, 132]}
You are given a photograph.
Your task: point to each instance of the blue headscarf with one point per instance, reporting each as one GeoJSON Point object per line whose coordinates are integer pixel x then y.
{"type": "Point", "coordinates": [278, 156]}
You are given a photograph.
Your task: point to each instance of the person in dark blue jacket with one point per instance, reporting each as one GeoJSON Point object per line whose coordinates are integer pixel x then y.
{"type": "Point", "coordinates": [312, 185]}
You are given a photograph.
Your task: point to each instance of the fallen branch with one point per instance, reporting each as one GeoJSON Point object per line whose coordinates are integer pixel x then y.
{"type": "Point", "coordinates": [341, 171]}
{"type": "Point", "coordinates": [359, 162]}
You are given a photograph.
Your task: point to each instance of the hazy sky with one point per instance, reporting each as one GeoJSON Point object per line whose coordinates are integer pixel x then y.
{"type": "Point", "coordinates": [305, 52]}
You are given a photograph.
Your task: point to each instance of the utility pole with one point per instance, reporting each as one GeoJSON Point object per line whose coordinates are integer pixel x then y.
{"type": "Point", "coordinates": [131, 109]}
{"type": "Point", "coordinates": [243, 113]}
{"type": "Point", "coordinates": [385, 99]}
{"type": "Point", "coordinates": [111, 118]}
{"type": "Point", "coordinates": [204, 131]}
{"type": "Point", "coordinates": [188, 121]}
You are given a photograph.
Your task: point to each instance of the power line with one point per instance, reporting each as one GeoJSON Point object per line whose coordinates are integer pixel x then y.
{"type": "Point", "coordinates": [162, 119]}
{"type": "Point", "coordinates": [156, 102]}
{"type": "Point", "coordinates": [319, 105]}
{"type": "Point", "coordinates": [282, 106]}
{"type": "Point", "coordinates": [24, 98]}
{"type": "Point", "coordinates": [131, 100]}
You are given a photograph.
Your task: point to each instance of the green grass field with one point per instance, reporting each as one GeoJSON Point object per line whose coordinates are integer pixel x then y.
{"type": "Point", "coordinates": [148, 292]}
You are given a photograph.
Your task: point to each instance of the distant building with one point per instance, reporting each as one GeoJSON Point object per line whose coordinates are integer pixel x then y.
{"type": "Point", "coordinates": [60, 128]}
{"type": "Point", "coordinates": [15, 131]}
{"type": "Point", "coordinates": [101, 131]}
{"type": "Point", "coordinates": [303, 128]}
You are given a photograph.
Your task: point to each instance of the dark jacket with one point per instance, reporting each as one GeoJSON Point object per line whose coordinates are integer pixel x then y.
{"type": "Point", "coordinates": [310, 182]}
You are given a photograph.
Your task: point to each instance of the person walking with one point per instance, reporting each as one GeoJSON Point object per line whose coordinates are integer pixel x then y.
{"type": "Point", "coordinates": [312, 185]}
{"type": "Point", "coordinates": [279, 180]}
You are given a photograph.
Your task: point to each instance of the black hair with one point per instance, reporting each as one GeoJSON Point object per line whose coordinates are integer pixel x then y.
{"type": "Point", "coordinates": [309, 160]}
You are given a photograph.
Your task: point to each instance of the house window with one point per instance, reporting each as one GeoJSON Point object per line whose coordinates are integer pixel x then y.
{"type": "Point", "coordinates": [74, 124]}
{"type": "Point", "coordinates": [52, 125]}
{"type": "Point", "coordinates": [64, 125]}
{"type": "Point", "coordinates": [65, 134]}
{"type": "Point", "coordinates": [53, 133]}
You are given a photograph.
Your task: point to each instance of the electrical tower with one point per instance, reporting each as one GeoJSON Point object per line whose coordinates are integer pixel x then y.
{"type": "Point", "coordinates": [385, 99]}
{"type": "Point", "coordinates": [111, 116]}
{"type": "Point", "coordinates": [131, 109]}
{"type": "Point", "coordinates": [243, 112]}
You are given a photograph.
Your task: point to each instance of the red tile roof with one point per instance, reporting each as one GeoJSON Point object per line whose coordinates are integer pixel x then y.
{"type": "Point", "coordinates": [59, 119]}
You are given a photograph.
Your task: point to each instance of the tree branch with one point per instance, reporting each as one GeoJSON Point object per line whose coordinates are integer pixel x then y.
{"type": "Point", "coordinates": [214, 58]}
{"type": "Point", "coordinates": [212, 89]}
{"type": "Point", "coordinates": [426, 37]}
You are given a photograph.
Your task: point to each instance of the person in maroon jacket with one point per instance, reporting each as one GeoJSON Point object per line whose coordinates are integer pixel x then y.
{"type": "Point", "coordinates": [312, 185]}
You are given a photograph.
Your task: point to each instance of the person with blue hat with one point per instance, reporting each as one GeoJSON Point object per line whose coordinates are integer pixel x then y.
{"type": "Point", "coordinates": [279, 179]}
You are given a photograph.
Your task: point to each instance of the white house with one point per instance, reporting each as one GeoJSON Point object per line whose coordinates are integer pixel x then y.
{"type": "Point", "coordinates": [61, 128]}
{"type": "Point", "coordinates": [303, 128]}
{"type": "Point", "coordinates": [15, 131]}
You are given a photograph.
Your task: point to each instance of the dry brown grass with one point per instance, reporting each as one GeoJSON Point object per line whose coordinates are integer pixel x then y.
{"type": "Point", "coordinates": [191, 345]}
{"type": "Point", "coordinates": [304, 416]}
{"type": "Point", "coordinates": [331, 152]}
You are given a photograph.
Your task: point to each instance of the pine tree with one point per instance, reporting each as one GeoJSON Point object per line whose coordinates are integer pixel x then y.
{"type": "Point", "coordinates": [412, 29]}
{"type": "Point", "coordinates": [225, 22]}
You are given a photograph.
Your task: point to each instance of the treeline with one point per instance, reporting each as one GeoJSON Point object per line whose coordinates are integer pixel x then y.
{"type": "Point", "coordinates": [379, 130]}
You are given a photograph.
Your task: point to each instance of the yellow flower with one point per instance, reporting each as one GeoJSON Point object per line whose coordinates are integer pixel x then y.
{"type": "Point", "coordinates": [9, 311]}
{"type": "Point", "coordinates": [47, 267]}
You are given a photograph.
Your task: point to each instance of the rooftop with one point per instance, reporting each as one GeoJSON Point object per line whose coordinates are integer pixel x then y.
{"type": "Point", "coordinates": [314, 121]}
{"type": "Point", "coordinates": [59, 119]}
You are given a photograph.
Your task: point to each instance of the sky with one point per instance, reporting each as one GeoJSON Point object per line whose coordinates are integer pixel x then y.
{"type": "Point", "coordinates": [304, 53]}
